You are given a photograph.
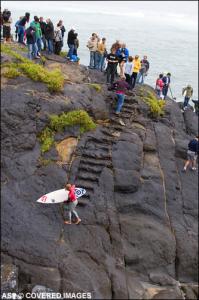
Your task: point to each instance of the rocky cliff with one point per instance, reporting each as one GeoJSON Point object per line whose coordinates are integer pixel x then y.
{"type": "Point", "coordinates": [138, 236]}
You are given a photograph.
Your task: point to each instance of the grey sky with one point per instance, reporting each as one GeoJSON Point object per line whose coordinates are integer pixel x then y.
{"type": "Point", "coordinates": [175, 7]}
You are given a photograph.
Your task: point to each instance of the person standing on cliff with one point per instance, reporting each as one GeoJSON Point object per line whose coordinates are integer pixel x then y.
{"type": "Point", "coordinates": [43, 28]}
{"type": "Point", "coordinates": [166, 80]}
{"type": "Point", "coordinates": [136, 69]}
{"type": "Point", "coordinates": [112, 61]}
{"type": "Point", "coordinates": [159, 86]}
{"type": "Point", "coordinates": [21, 27]}
{"type": "Point", "coordinates": [143, 70]}
{"type": "Point", "coordinates": [92, 46]}
{"type": "Point", "coordinates": [192, 154]}
{"type": "Point", "coordinates": [71, 204]}
{"type": "Point", "coordinates": [187, 92]}
{"type": "Point", "coordinates": [38, 32]}
{"type": "Point", "coordinates": [49, 35]}
{"type": "Point", "coordinates": [71, 43]}
{"type": "Point", "coordinates": [7, 20]}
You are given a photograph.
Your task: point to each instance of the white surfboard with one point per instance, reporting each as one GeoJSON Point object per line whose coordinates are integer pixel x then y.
{"type": "Point", "coordinates": [59, 196]}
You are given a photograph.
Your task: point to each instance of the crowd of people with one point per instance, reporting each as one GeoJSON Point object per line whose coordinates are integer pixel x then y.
{"type": "Point", "coordinates": [44, 35]}
{"type": "Point", "coordinates": [40, 35]}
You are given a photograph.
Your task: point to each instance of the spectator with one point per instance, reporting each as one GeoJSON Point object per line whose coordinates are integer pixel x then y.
{"type": "Point", "coordinates": [123, 55]}
{"type": "Point", "coordinates": [49, 35]}
{"type": "Point", "coordinates": [166, 80]}
{"type": "Point", "coordinates": [21, 27]}
{"type": "Point", "coordinates": [112, 65]}
{"type": "Point", "coordinates": [7, 20]}
{"type": "Point", "coordinates": [143, 70]}
{"type": "Point", "coordinates": [31, 42]}
{"type": "Point", "coordinates": [92, 46]}
{"type": "Point", "coordinates": [63, 30]}
{"type": "Point", "coordinates": [58, 39]}
{"type": "Point", "coordinates": [16, 28]}
{"type": "Point", "coordinates": [159, 86]}
{"type": "Point", "coordinates": [101, 48]}
{"type": "Point", "coordinates": [43, 28]}
{"type": "Point", "coordinates": [76, 43]}
{"type": "Point", "coordinates": [128, 70]}
{"type": "Point", "coordinates": [136, 69]}
{"type": "Point", "coordinates": [71, 42]}
{"type": "Point", "coordinates": [192, 154]}
{"type": "Point", "coordinates": [187, 92]}
{"type": "Point", "coordinates": [38, 33]}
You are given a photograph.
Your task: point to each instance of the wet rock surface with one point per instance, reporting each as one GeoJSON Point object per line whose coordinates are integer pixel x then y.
{"type": "Point", "coordinates": [138, 236]}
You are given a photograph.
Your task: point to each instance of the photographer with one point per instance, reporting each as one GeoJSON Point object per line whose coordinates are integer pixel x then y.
{"type": "Point", "coordinates": [7, 20]}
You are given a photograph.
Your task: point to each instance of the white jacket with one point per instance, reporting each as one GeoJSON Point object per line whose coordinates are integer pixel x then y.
{"type": "Point", "coordinates": [92, 45]}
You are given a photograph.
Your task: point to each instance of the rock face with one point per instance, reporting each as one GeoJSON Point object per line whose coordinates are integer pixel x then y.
{"type": "Point", "coordinates": [138, 236]}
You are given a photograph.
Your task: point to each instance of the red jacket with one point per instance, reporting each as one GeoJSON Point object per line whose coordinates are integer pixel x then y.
{"type": "Point", "coordinates": [71, 194]}
{"type": "Point", "coordinates": [159, 84]}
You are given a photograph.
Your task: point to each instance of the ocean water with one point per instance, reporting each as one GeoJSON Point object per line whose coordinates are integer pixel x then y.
{"type": "Point", "coordinates": [169, 40]}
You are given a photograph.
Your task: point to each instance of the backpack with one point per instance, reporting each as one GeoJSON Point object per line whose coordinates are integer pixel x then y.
{"type": "Point", "coordinates": [29, 32]}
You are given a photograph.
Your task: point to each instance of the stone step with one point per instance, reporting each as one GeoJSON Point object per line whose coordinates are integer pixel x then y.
{"type": "Point", "coordinates": [92, 168]}
{"type": "Point", "coordinates": [87, 185]}
{"type": "Point", "coordinates": [102, 140]}
{"type": "Point", "coordinates": [87, 176]}
{"type": "Point", "coordinates": [96, 146]}
{"type": "Point", "coordinates": [93, 162]}
{"type": "Point", "coordinates": [97, 156]}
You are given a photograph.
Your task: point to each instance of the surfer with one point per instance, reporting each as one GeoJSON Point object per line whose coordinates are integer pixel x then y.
{"type": "Point", "coordinates": [71, 203]}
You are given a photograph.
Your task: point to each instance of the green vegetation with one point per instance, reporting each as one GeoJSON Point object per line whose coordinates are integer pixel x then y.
{"type": "Point", "coordinates": [58, 123]}
{"type": "Point", "coordinates": [156, 106]}
{"type": "Point", "coordinates": [45, 162]}
{"type": "Point", "coordinates": [54, 79]}
{"type": "Point", "coordinates": [96, 86]}
{"type": "Point", "coordinates": [11, 73]}
{"type": "Point", "coordinates": [63, 53]}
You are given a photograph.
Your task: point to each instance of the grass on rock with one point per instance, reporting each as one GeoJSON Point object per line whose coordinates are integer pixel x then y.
{"type": "Point", "coordinates": [96, 86]}
{"type": "Point", "coordinates": [54, 79]}
{"type": "Point", "coordinates": [59, 122]}
{"type": "Point", "coordinates": [156, 106]}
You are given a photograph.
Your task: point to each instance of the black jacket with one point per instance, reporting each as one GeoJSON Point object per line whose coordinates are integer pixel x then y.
{"type": "Point", "coordinates": [49, 31]}
{"type": "Point", "coordinates": [43, 27]}
{"type": "Point", "coordinates": [71, 37]}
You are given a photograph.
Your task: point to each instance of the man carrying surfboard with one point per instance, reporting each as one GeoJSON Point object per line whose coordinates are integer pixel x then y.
{"type": "Point", "coordinates": [71, 203]}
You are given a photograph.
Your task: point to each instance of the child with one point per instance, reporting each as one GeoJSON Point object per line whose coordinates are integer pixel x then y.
{"type": "Point", "coordinates": [129, 70]}
{"type": "Point", "coordinates": [71, 203]}
{"type": "Point", "coordinates": [159, 86]}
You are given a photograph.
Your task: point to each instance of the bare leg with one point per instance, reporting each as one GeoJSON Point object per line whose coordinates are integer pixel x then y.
{"type": "Point", "coordinates": [186, 164]}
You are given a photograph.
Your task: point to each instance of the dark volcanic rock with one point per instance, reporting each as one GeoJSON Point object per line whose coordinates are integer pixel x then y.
{"type": "Point", "coordinates": [138, 238]}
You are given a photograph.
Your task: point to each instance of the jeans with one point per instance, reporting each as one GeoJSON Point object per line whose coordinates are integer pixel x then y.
{"type": "Point", "coordinates": [134, 76]}
{"type": "Point", "coordinates": [44, 41]}
{"type": "Point", "coordinates": [165, 90]}
{"type": "Point", "coordinates": [98, 60]}
{"type": "Point", "coordinates": [102, 63]}
{"type": "Point", "coordinates": [111, 68]}
{"type": "Point", "coordinates": [92, 59]}
{"type": "Point", "coordinates": [71, 50]}
{"type": "Point", "coordinates": [50, 46]}
{"type": "Point", "coordinates": [159, 93]}
{"type": "Point", "coordinates": [120, 101]}
{"type": "Point", "coordinates": [38, 41]}
{"type": "Point", "coordinates": [32, 50]}
{"type": "Point", "coordinates": [186, 101]}
{"type": "Point", "coordinates": [140, 75]}
{"type": "Point", "coordinates": [21, 31]}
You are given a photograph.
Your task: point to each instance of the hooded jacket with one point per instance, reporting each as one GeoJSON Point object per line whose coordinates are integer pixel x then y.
{"type": "Point", "coordinates": [136, 65]}
{"type": "Point", "coordinates": [188, 90]}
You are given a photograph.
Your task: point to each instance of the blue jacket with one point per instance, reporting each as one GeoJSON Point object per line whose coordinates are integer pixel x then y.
{"type": "Point", "coordinates": [122, 52]}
